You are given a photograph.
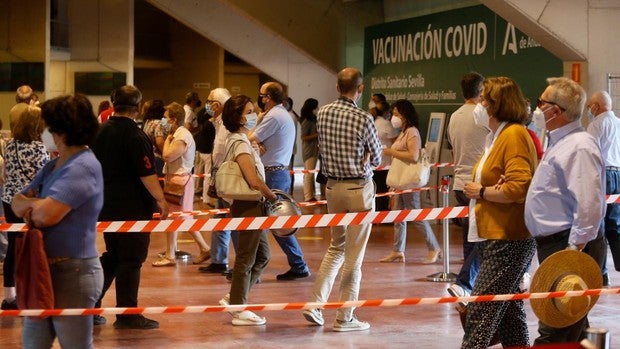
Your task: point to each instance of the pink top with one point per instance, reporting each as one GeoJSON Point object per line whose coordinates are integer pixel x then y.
{"type": "Point", "coordinates": [400, 144]}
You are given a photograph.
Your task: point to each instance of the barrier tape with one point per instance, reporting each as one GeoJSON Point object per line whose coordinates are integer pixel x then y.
{"type": "Point", "coordinates": [270, 222]}
{"type": "Point", "coordinates": [305, 305]}
{"type": "Point", "coordinates": [379, 168]}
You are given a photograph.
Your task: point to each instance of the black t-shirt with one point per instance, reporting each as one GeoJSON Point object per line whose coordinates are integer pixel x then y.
{"type": "Point", "coordinates": [205, 136]}
{"type": "Point", "coordinates": [126, 154]}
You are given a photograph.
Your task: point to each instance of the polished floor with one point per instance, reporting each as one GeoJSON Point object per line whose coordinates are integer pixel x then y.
{"type": "Point", "coordinates": [421, 326]}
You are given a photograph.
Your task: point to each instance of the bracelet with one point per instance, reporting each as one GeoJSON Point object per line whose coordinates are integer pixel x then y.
{"type": "Point", "coordinates": [481, 194]}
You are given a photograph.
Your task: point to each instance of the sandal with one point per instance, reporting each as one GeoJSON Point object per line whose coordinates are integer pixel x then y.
{"type": "Point", "coordinates": [164, 262]}
{"type": "Point", "coordinates": [247, 318]}
{"type": "Point", "coordinates": [203, 257]}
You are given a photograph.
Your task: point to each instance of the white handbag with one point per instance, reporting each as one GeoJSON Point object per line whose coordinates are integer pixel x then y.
{"type": "Point", "coordinates": [230, 183]}
{"type": "Point", "coordinates": [409, 175]}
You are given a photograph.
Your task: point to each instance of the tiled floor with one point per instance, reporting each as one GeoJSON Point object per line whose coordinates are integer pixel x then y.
{"type": "Point", "coordinates": [421, 326]}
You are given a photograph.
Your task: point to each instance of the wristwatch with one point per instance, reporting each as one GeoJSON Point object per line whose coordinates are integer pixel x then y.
{"type": "Point", "coordinates": [481, 194]}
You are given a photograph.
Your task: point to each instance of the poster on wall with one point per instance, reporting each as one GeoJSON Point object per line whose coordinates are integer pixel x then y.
{"type": "Point", "coordinates": [422, 59]}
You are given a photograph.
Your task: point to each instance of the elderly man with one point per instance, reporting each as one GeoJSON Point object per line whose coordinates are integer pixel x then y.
{"type": "Point", "coordinates": [192, 101]}
{"type": "Point", "coordinates": [350, 148]}
{"type": "Point", "coordinates": [276, 135]}
{"type": "Point", "coordinates": [22, 98]}
{"type": "Point", "coordinates": [566, 201]}
{"type": "Point", "coordinates": [605, 128]}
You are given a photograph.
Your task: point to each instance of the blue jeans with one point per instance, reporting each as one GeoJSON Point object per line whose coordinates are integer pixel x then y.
{"type": "Point", "coordinates": [612, 218]}
{"type": "Point", "coordinates": [220, 240]}
{"type": "Point", "coordinates": [409, 201]}
{"type": "Point", "coordinates": [289, 245]}
{"type": "Point", "coordinates": [77, 284]}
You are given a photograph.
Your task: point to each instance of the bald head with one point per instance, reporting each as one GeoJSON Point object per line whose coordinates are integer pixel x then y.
{"type": "Point", "coordinates": [349, 79]}
{"type": "Point", "coordinates": [599, 103]}
{"type": "Point", "coordinates": [24, 93]}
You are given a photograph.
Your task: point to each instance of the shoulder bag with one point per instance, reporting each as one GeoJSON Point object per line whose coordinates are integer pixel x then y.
{"type": "Point", "coordinates": [408, 175]}
{"type": "Point", "coordinates": [231, 184]}
{"type": "Point", "coordinates": [174, 188]}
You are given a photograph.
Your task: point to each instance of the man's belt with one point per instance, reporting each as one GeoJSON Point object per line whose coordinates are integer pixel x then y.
{"type": "Point", "coordinates": [275, 168]}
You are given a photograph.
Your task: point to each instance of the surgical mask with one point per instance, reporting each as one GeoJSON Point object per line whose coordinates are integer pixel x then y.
{"type": "Point", "coordinates": [165, 125]}
{"type": "Point", "coordinates": [396, 122]}
{"type": "Point", "coordinates": [371, 104]}
{"type": "Point", "coordinates": [481, 116]}
{"type": "Point", "coordinates": [208, 109]}
{"type": "Point", "coordinates": [590, 115]}
{"type": "Point", "coordinates": [539, 119]}
{"type": "Point", "coordinates": [48, 140]}
{"type": "Point", "coordinates": [250, 120]}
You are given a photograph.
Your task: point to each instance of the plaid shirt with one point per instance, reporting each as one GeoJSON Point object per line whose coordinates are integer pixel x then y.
{"type": "Point", "coordinates": [347, 134]}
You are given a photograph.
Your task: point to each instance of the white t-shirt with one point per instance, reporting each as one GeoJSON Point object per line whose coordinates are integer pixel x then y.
{"type": "Point", "coordinates": [184, 163]}
{"type": "Point", "coordinates": [242, 145]}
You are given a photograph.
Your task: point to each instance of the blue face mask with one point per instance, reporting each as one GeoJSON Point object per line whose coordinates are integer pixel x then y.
{"type": "Point", "coordinates": [250, 120]}
{"type": "Point", "coordinates": [165, 125]}
{"type": "Point", "coordinates": [208, 109]}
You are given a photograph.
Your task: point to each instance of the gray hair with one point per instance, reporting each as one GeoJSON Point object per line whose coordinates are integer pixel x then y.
{"type": "Point", "coordinates": [569, 95]}
{"type": "Point", "coordinates": [220, 95]}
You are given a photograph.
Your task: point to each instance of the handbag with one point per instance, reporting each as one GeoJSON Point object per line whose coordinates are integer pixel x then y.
{"type": "Point", "coordinates": [408, 175]}
{"type": "Point", "coordinates": [174, 188]}
{"type": "Point", "coordinates": [231, 184]}
{"type": "Point", "coordinates": [33, 281]}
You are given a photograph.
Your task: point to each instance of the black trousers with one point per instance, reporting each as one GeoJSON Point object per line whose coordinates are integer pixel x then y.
{"type": "Point", "coordinates": [122, 260]}
{"type": "Point", "coordinates": [8, 269]}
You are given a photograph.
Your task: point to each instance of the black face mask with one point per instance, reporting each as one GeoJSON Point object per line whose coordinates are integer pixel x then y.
{"type": "Point", "coordinates": [260, 103]}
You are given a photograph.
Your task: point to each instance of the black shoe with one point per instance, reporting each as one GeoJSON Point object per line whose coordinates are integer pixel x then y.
{"type": "Point", "coordinates": [9, 305]}
{"type": "Point", "coordinates": [99, 320]}
{"type": "Point", "coordinates": [292, 275]}
{"type": "Point", "coordinates": [214, 268]}
{"type": "Point", "coordinates": [137, 322]}
{"type": "Point", "coordinates": [605, 281]}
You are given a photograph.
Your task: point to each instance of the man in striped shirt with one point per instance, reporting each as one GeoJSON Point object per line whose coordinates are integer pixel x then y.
{"type": "Point", "coordinates": [350, 148]}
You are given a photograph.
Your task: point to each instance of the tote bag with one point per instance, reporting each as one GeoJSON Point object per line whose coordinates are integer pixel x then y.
{"type": "Point", "coordinates": [409, 175]}
{"type": "Point", "coordinates": [231, 184]}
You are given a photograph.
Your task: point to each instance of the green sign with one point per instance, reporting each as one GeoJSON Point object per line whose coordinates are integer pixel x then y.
{"type": "Point", "coordinates": [423, 59]}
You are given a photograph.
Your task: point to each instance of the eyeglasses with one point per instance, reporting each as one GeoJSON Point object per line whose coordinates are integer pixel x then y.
{"type": "Point", "coordinates": [263, 95]}
{"type": "Point", "coordinates": [540, 102]}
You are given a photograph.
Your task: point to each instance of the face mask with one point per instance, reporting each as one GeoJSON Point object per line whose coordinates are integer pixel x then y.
{"type": "Point", "coordinates": [396, 122]}
{"type": "Point", "coordinates": [371, 104]}
{"type": "Point", "coordinates": [539, 119]}
{"type": "Point", "coordinates": [481, 116]}
{"type": "Point", "coordinates": [48, 140]}
{"type": "Point", "coordinates": [250, 120]}
{"type": "Point", "coordinates": [208, 109]}
{"type": "Point", "coordinates": [590, 115]}
{"type": "Point", "coordinates": [165, 125]}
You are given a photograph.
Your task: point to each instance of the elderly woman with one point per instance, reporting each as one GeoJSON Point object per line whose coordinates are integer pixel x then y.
{"type": "Point", "coordinates": [178, 153]}
{"type": "Point", "coordinates": [64, 200]}
{"type": "Point", "coordinates": [24, 155]}
{"type": "Point", "coordinates": [407, 147]}
{"type": "Point", "coordinates": [153, 112]}
{"type": "Point", "coordinates": [253, 252]}
{"type": "Point", "coordinates": [501, 179]}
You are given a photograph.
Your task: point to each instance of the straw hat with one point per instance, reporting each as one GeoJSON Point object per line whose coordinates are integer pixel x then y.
{"type": "Point", "coordinates": [566, 270]}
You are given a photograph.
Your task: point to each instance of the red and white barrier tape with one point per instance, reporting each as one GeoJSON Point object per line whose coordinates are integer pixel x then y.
{"type": "Point", "coordinates": [379, 168]}
{"type": "Point", "coordinates": [270, 222]}
{"type": "Point", "coordinates": [305, 305]}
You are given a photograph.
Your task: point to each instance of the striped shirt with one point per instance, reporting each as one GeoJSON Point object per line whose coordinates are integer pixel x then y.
{"type": "Point", "coordinates": [347, 136]}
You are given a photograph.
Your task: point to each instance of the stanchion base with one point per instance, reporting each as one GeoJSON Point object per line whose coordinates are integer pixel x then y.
{"type": "Point", "coordinates": [442, 277]}
{"type": "Point", "coordinates": [180, 255]}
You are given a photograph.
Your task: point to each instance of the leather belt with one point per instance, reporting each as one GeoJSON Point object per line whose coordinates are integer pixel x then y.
{"type": "Point", "coordinates": [346, 178]}
{"type": "Point", "coordinates": [275, 168]}
{"type": "Point", "coordinates": [54, 260]}
{"type": "Point", "coordinates": [612, 168]}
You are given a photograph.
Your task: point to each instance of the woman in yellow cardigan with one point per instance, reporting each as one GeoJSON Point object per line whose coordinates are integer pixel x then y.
{"type": "Point", "coordinates": [501, 180]}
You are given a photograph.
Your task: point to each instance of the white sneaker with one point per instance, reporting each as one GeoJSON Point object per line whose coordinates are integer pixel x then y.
{"type": "Point", "coordinates": [526, 280]}
{"type": "Point", "coordinates": [247, 318]}
{"type": "Point", "coordinates": [348, 326]}
{"type": "Point", "coordinates": [457, 291]}
{"type": "Point", "coordinates": [315, 316]}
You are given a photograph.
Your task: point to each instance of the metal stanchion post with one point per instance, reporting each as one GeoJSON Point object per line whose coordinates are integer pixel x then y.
{"type": "Point", "coordinates": [445, 275]}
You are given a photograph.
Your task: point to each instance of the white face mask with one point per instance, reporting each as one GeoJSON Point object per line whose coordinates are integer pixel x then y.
{"type": "Point", "coordinates": [48, 140]}
{"type": "Point", "coordinates": [539, 119]}
{"type": "Point", "coordinates": [371, 104]}
{"type": "Point", "coordinates": [250, 120]}
{"type": "Point", "coordinates": [396, 122]}
{"type": "Point", "coordinates": [481, 116]}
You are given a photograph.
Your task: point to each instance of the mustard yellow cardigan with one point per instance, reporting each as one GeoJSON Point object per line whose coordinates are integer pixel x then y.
{"type": "Point", "coordinates": [514, 156]}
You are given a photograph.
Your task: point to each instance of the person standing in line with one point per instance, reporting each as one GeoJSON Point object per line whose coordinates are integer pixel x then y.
{"type": "Point", "coordinates": [179, 152]}
{"type": "Point", "coordinates": [387, 135]}
{"type": "Point", "coordinates": [350, 148]}
{"type": "Point", "coordinates": [407, 148]}
{"type": "Point", "coordinates": [132, 192]}
{"type": "Point", "coordinates": [22, 100]}
{"type": "Point", "coordinates": [571, 179]}
{"type": "Point", "coordinates": [309, 145]}
{"type": "Point", "coordinates": [26, 156]}
{"type": "Point", "coordinates": [192, 101]}
{"type": "Point", "coordinates": [220, 240]}
{"type": "Point", "coordinates": [605, 128]}
{"type": "Point", "coordinates": [153, 113]}
{"type": "Point", "coordinates": [275, 134]}
{"type": "Point", "coordinates": [467, 139]}
{"type": "Point", "coordinates": [204, 137]}
{"type": "Point", "coordinates": [63, 201]}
